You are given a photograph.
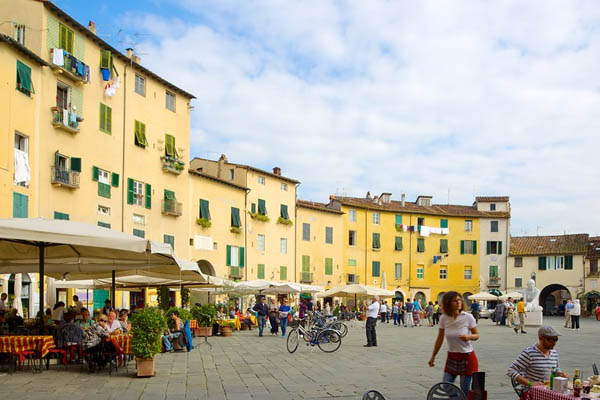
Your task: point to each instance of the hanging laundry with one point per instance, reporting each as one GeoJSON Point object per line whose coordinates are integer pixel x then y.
{"type": "Point", "coordinates": [22, 170]}
{"type": "Point", "coordinates": [445, 231]}
{"type": "Point", "coordinates": [404, 228]}
{"type": "Point", "coordinates": [80, 69]}
{"type": "Point", "coordinates": [434, 259]}
{"type": "Point", "coordinates": [437, 231]}
{"type": "Point", "coordinates": [65, 117]}
{"type": "Point", "coordinates": [58, 57]}
{"type": "Point", "coordinates": [87, 73]}
{"type": "Point", "coordinates": [105, 74]}
{"type": "Point", "coordinates": [425, 230]}
{"type": "Point", "coordinates": [411, 228]}
{"type": "Point", "coordinates": [73, 118]}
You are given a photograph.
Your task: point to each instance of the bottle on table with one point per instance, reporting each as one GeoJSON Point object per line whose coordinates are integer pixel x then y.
{"type": "Point", "coordinates": [575, 376]}
{"type": "Point", "coordinates": [552, 376]}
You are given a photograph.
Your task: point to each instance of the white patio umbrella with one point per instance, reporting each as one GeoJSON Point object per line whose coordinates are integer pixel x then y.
{"type": "Point", "coordinates": [311, 288]}
{"type": "Point", "coordinates": [17, 303]}
{"type": "Point", "coordinates": [514, 295]}
{"type": "Point", "coordinates": [351, 290]}
{"type": "Point", "coordinates": [483, 296]}
{"type": "Point", "coordinates": [285, 288]}
{"type": "Point", "coordinates": [254, 286]}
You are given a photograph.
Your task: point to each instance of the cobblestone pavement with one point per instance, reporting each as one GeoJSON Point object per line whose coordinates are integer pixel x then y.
{"type": "Point", "coordinates": [245, 366]}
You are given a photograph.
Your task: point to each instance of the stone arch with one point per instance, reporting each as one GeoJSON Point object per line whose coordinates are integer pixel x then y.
{"type": "Point", "coordinates": [553, 295]}
{"type": "Point", "coordinates": [420, 296]}
{"type": "Point", "coordinates": [399, 295]}
{"type": "Point", "coordinates": [206, 267]}
{"type": "Point", "coordinates": [439, 297]}
{"type": "Point", "coordinates": [466, 300]}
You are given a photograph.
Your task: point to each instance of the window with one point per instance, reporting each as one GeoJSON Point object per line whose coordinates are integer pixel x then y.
{"type": "Point", "coordinates": [261, 243]}
{"type": "Point", "coordinates": [138, 193]}
{"type": "Point", "coordinates": [65, 38]}
{"type": "Point", "coordinates": [420, 245]}
{"type": "Point", "coordinates": [518, 282]}
{"type": "Point", "coordinates": [443, 272]}
{"type": "Point", "coordinates": [235, 217]}
{"type": "Point", "coordinates": [398, 220]}
{"type": "Point", "coordinates": [283, 273]}
{"type": "Point", "coordinates": [555, 262]}
{"type": "Point", "coordinates": [103, 178]}
{"type": "Point", "coordinates": [140, 134]}
{"type": "Point", "coordinates": [260, 271]}
{"type": "Point", "coordinates": [468, 247]}
{"type": "Point", "coordinates": [284, 187]}
{"type": "Point", "coordinates": [103, 210]}
{"type": "Point", "coordinates": [375, 268]}
{"type": "Point", "coordinates": [170, 149]}
{"type": "Point", "coordinates": [494, 226]}
{"type": "Point", "coordinates": [420, 221]}
{"type": "Point", "coordinates": [468, 225]}
{"type": "Point", "coordinates": [376, 218]}
{"type": "Point", "coordinates": [139, 233]}
{"type": "Point", "coordinates": [204, 209]}
{"type": "Point", "coordinates": [494, 247]}
{"type": "Point", "coordinates": [24, 84]}
{"type": "Point", "coordinates": [139, 219]}
{"type": "Point", "coordinates": [420, 272]}
{"type": "Point", "coordinates": [493, 270]}
{"type": "Point", "coordinates": [352, 215]}
{"type": "Point", "coordinates": [398, 271]}
{"type": "Point", "coordinates": [21, 142]}
{"type": "Point", "coordinates": [63, 98]}
{"type": "Point", "coordinates": [376, 242]}
{"type": "Point", "coordinates": [170, 101]}
{"type": "Point", "coordinates": [168, 239]}
{"type": "Point", "coordinates": [351, 238]}
{"type": "Point", "coordinates": [398, 243]}
{"type": "Point", "coordinates": [305, 231]}
{"type": "Point", "coordinates": [593, 267]}
{"type": "Point", "coordinates": [261, 180]}
{"type": "Point", "coordinates": [140, 85]}
{"type": "Point", "coordinates": [443, 246]}
{"type": "Point", "coordinates": [59, 215]}
{"type": "Point", "coordinates": [20, 34]}
{"type": "Point", "coordinates": [284, 211]}
{"type": "Point", "coordinates": [518, 262]}
{"type": "Point", "coordinates": [329, 235]}
{"type": "Point", "coordinates": [492, 207]}
{"type": "Point", "coordinates": [234, 256]}
{"type": "Point", "coordinates": [103, 224]}
{"type": "Point", "coordinates": [329, 266]}
{"type": "Point", "coordinates": [231, 174]}
{"type": "Point", "coordinates": [443, 223]}
{"type": "Point", "coordinates": [468, 273]}
{"type": "Point", "coordinates": [105, 118]}
{"type": "Point", "coordinates": [283, 246]}
{"type": "Point", "coordinates": [351, 262]}
{"type": "Point", "coordinates": [262, 207]}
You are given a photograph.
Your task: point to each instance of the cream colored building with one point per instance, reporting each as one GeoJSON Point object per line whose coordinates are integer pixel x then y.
{"type": "Point", "coordinates": [319, 241]}
{"type": "Point", "coordinates": [556, 263]}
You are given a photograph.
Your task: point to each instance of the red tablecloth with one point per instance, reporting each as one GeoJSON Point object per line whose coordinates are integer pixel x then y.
{"type": "Point", "coordinates": [122, 343]}
{"type": "Point", "coordinates": [543, 393]}
{"type": "Point", "coordinates": [193, 324]}
{"type": "Point", "coordinates": [19, 344]}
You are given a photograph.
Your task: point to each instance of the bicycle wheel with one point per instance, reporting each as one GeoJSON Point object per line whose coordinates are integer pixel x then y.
{"type": "Point", "coordinates": [307, 335]}
{"type": "Point", "coordinates": [292, 340]}
{"type": "Point", "coordinates": [329, 340]}
{"type": "Point", "coordinates": [341, 327]}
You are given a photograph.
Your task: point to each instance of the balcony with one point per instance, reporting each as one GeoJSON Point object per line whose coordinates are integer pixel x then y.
{"type": "Point", "coordinates": [172, 165]}
{"type": "Point", "coordinates": [593, 274]}
{"type": "Point", "coordinates": [171, 207]}
{"type": "Point", "coordinates": [352, 279]}
{"type": "Point", "coordinates": [306, 277]}
{"type": "Point", "coordinates": [494, 282]}
{"type": "Point", "coordinates": [235, 273]}
{"type": "Point", "coordinates": [64, 177]}
{"type": "Point", "coordinates": [73, 68]}
{"type": "Point", "coordinates": [65, 119]}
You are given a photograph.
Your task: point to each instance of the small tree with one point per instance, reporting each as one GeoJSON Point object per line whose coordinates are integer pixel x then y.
{"type": "Point", "coordinates": [205, 315]}
{"type": "Point", "coordinates": [147, 327]}
{"type": "Point", "coordinates": [185, 297]}
{"type": "Point", "coordinates": [163, 298]}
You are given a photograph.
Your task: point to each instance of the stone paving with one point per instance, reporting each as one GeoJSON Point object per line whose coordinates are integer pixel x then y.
{"type": "Point", "coordinates": [245, 366]}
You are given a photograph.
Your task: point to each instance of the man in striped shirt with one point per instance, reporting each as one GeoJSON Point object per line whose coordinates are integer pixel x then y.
{"type": "Point", "coordinates": [534, 365]}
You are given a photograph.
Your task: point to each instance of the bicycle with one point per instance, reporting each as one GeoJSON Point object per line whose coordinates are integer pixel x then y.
{"type": "Point", "coordinates": [328, 340]}
{"type": "Point", "coordinates": [330, 323]}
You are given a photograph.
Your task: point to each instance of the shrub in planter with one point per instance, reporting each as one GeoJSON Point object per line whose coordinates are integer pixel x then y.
{"type": "Point", "coordinates": [284, 221]}
{"type": "Point", "coordinates": [147, 327]}
{"type": "Point", "coordinates": [258, 217]}
{"type": "Point", "coordinates": [203, 222]}
{"type": "Point", "coordinates": [205, 317]}
{"type": "Point", "coordinates": [227, 328]}
{"type": "Point", "coordinates": [236, 229]}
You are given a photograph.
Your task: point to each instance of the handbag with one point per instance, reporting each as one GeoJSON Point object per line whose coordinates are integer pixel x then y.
{"type": "Point", "coordinates": [283, 314]}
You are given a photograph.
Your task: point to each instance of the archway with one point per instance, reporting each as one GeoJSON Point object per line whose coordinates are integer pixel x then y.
{"type": "Point", "coordinates": [440, 296]}
{"type": "Point", "coordinates": [552, 296]}
{"type": "Point", "coordinates": [466, 300]}
{"type": "Point", "coordinates": [420, 296]}
{"type": "Point", "coordinates": [592, 299]}
{"type": "Point", "coordinates": [206, 267]}
{"type": "Point", "coordinates": [399, 296]}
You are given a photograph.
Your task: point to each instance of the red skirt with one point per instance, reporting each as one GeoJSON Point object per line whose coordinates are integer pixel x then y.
{"type": "Point", "coordinates": [461, 363]}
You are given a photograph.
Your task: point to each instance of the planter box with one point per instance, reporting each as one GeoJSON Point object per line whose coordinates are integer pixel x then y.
{"type": "Point", "coordinates": [226, 331]}
{"type": "Point", "coordinates": [145, 366]}
{"type": "Point", "coordinates": [204, 331]}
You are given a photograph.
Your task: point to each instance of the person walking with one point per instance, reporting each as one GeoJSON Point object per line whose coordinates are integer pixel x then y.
{"type": "Point", "coordinates": [475, 310]}
{"type": "Point", "coordinates": [429, 313]}
{"type": "Point", "coordinates": [598, 312]}
{"type": "Point", "coordinates": [372, 312]}
{"type": "Point", "coordinates": [262, 310]}
{"type": "Point", "coordinates": [417, 312]}
{"type": "Point", "coordinates": [395, 311]}
{"type": "Point", "coordinates": [568, 308]}
{"type": "Point", "coordinates": [383, 312]}
{"type": "Point", "coordinates": [459, 329]}
{"type": "Point", "coordinates": [436, 313]}
{"type": "Point", "coordinates": [408, 314]}
{"type": "Point", "coordinates": [510, 313]}
{"type": "Point", "coordinates": [522, 315]}
{"type": "Point", "coordinates": [284, 312]}
{"type": "Point", "coordinates": [274, 317]}
{"type": "Point", "coordinates": [575, 314]}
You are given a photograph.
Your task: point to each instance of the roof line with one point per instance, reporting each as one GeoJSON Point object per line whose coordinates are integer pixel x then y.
{"type": "Point", "coordinates": [22, 49]}
{"type": "Point", "coordinates": [218, 180]}
{"type": "Point", "coordinates": [262, 171]}
{"type": "Point", "coordinates": [316, 206]}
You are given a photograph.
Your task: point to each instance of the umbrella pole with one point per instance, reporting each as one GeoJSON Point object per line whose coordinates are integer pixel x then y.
{"type": "Point", "coordinates": [42, 308]}
{"type": "Point", "coordinates": [113, 290]}
{"type": "Point", "coordinates": [181, 294]}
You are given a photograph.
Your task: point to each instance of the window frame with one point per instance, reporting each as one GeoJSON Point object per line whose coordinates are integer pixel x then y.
{"type": "Point", "coordinates": [468, 225]}
{"type": "Point", "coordinates": [520, 282]}
{"type": "Point", "coordinates": [352, 237]}
{"type": "Point", "coordinates": [352, 215]}
{"type": "Point", "coordinates": [469, 269]}
{"type": "Point", "coordinates": [260, 242]}
{"type": "Point", "coordinates": [283, 245]}
{"type": "Point", "coordinates": [261, 180]}
{"type": "Point", "coordinates": [420, 271]}
{"type": "Point", "coordinates": [494, 226]}
{"type": "Point", "coordinates": [444, 273]}
{"type": "Point", "coordinates": [22, 138]}
{"type": "Point", "coordinates": [138, 198]}
{"type": "Point", "coordinates": [105, 124]}
{"type": "Point", "coordinates": [284, 186]}
{"type": "Point", "coordinates": [520, 263]}
{"type": "Point", "coordinates": [306, 231]}
{"type": "Point", "coordinates": [328, 235]}
{"type": "Point", "coordinates": [172, 96]}
{"type": "Point", "coordinates": [396, 275]}
{"type": "Point", "coordinates": [140, 78]}
{"type": "Point", "coordinates": [376, 218]}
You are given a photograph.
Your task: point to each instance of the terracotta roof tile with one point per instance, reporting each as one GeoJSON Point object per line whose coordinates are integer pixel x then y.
{"type": "Point", "coordinates": [492, 198]}
{"type": "Point", "coordinates": [412, 208]}
{"type": "Point", "coordinates": [549, 245]}
{"type": "Point", "coordinates": [594, 247]}
{"type": "Point", "coordinates": [316, 206]}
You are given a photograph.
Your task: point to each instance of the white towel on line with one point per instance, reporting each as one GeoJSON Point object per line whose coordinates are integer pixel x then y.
{"type": "Point", "coordinates": [58, 57]}
{"type": "Point", "coordinates": [22, 171]}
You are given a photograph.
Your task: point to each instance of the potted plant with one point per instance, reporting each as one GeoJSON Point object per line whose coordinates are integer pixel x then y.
{"type": "Point", "coordinates": [227, 328]}
{"type": "Point", "coordinates": [147, 327]}
{"type": "Point", "coordinates": [284, 221]}
{"type": "Point", "coordinates": [203, 222]}
{"type": "Point", "coordinates": [205, 317]}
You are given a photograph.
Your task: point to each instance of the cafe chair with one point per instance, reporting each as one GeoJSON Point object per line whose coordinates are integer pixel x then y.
{"type": "Point", "coordinates": [59, 354]}
{"type": "Point", "coordinates": [519, 388]}
{"type": "Point", "coordinates": [372, 395]}
{"type": "Point", "coordinates": [445, 391]}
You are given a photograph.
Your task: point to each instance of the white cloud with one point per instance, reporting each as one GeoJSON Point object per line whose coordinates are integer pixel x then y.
{"type": "Point", "coordinates": [415, 97]}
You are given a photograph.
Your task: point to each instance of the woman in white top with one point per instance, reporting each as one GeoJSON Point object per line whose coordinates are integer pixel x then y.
{"type": "Point", "coordinates": [459, 328]}
{"type": "Point", "coordinates": [113, 323]}
{"type": "Point", "coordinates": [575, 314]}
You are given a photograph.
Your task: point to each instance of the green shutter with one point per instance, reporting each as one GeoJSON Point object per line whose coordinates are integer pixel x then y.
{"type": "Point", "coordinates": [75, 164]}
{"type": "Point", "coordinates": [376, 243]}
{"type": "Point", "coordinates": [102, 117]}
{"type": "Point", "coordinates": [130, 193]}
{"type": "Point", "coordinates": [305, 264]}
{"type": "Point", "coordinates": [421, 245]}
{"type": "Point", "coordinates": [262, 207]}
{"type": "Point", "coordinates": [105, 59]}
{"type": "Point", "coordinates": [169, 145]}
{"type": "Point", "coordinates": [474, 246]}
{"type": "Point", "coordinates": [169, 195]}
{"type": "Point", "coordinates": [228, 256]}
{"type": "Point", "coordinates": [398, 243]}
{"type": "Point", "coordinates": [148, 196]}
{"type": "Point", "coordinates": [105, 118]}
{"type": "Point", "coordinates": [108, 123]}
{"type": "Point", "coordinates": [261, 271]}
{"type": "Point", "coordinates": [398, 220]}
{"type": "Point", "coordinates": [283, 273]}
{"type": "Point", "coordinates": [140, 134]}
{"type": "Point", "coordinates": [284, 212]}
{"type": "Point", "coordinates": [65, 38]}
{"type": "Point", "coordinates": [235, 217]}
{"type": "Point", "coordinates": [329, 266]}
{"type": "Point", "coordinates": [568, 262]}
{"type": "Point", "coordinates": [443, 223]}
{"type": "Point", "coordinates": [95, 173]}
{"type": "Point", "coordinates": [103, 190]}
{"type": "Point", "coordinates": [375, 268]}
{"type": "Point", "coordinates": [253, 208]}
{"type": "Point", "coordinates": [114, 179]}
{"type": "Point", "coordinates": [24, 78]}
{"type": "Point", "coordinates": [499, 247]}
{"type": "Point", "coordinates": [443, 245]}
{"type": "Point", "coordinates": [241, 252]}
{"type": "Point", "coordinates": [59, 215]}
{"type": "Point", "coordinates": [204, 209]}
{"type": "Point", "coordinates": [139, 233]}
{"type": "Point", "coordinates": [489, 247]}
{"type": "Point", "coordinates": [70, 41]}
{"type": "Point", "coordinates": [542, 263]}
{"type": "Point", "coordinates": [462, 247]}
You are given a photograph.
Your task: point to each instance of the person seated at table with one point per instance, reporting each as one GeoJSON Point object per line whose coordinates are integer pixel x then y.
{"type": "Point", "coordinates": [221, 313]}
{"type": "Point", "coordinates": [57, 312]}
{"type": "Point", "coordinates": [534, 365]}
{"type": "Point", "coordinates": [69, 333]}
{"type": "Point", "coordinates": [85, 322]}
{"type": "Point", "coordinates": [14, 320]}
{"type": "Point", "coordinates": [4, 329]}
{"type": "Point", "coordinates": [174, 333]}
{"type": "Point", "coordinates": [94, 343]}
{"type": "Point", "coordinates": [78, 305]}
{"type": "Point", "coordinates": [107, 307]}
{"type": "Point", "coordinates": [124, 320]}
{"type": "Point", "coordinates": [113, 325]}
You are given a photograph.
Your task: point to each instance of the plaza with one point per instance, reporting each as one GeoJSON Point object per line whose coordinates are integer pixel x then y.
{"type": "Point", "coordinates": [246, 366]}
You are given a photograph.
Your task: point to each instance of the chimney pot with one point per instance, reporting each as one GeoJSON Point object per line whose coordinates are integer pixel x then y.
{"type": "Point", "coordinates": [92, 27]}
{"type": "Point", "coordinates": [129, 52]}
{"type": "Point", "coordinates": [223, 158]}
{"type": "Point", "coordinates": [403, 199]}
{"type": "Point", "coordinates": [277, 171]}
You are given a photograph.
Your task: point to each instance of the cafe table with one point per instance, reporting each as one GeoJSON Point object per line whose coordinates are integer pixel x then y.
{"type": "Point", "coordinates": [544, 393]}
{"type": "Point", "coordinates": [236, 322]}
{"type": "Point", "coordinates": [122, 343]}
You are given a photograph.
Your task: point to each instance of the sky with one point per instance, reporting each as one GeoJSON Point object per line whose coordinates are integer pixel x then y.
{"type": "Point", "coordinates": [451, 99]}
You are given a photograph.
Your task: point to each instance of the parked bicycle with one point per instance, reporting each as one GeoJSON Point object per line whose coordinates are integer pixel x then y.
{"type": "Point", "coordinates": [327, 339]}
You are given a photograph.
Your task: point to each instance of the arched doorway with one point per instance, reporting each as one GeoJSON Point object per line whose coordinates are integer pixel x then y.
{"type": "Point", "coordinates": [206, 267]}
{"type": "Point", "coordinates": [552, 296]}
{"type": "Point", "coordinates": [466, 300]}
{"type": "Point", "coordinates": [420, 296]}
{"type": "Point", "coordinates": [592, 299]}
{"type": "Point", "coordinates": [399, 296]}
{"type": "Point", "coordinates": [439, 297]}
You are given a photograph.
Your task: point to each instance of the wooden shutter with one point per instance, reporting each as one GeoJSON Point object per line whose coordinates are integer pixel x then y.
{"type": "Point", "coordinates": [130, 192]}
{"type": "Point", "coordinates": [568, 262]}
{"type": "Point", "coordinates": [105, 59]}
{"type": "Point", "coordinates": [114, 179]}
{"type": "Point", "coordinates": [443, 223]}
{"type": "Point", "coordinates": [228, 256]}
{"type": "Point", "coordinates": [398, 243]}
{"type": "Point", "coordinates": [75, 164]}
{"type": "Point", "coordinates": [542, 263]}
{"type": "Point", "coordinates": [102, 117]}
{"type": "Point", "coordinates": [108, 123]}
{"type": "Point", "coordinates": [398, 219]}
{"type": "Point", "coordinates": [489, 247]}
{"type": "Point", "coordinates": [24, 78]}
{"type": "Point", "coordinates": [62, 36]}
{"type": "Point", "coordinates": [375, 268]}
{"type": "Point", "coordinates": [443, 245]}
{"type": "Point", "coordinates": [328, 266]}
{"type": "Point", "coordinates": [462, 247]}
{"type": "Point", "coordinates": [376, 243]}
{"type": "Point", "coordinates": [148, 196]}
{"type": "Point", "coordinates": [204, 209]}
{"type": "Point", "coordinates": [499, 247]}
{"type": "Point", "coordinates": [235, 217]}
{"type": "Point", "coordinates": [284, 212]}
{"type": "Point", "coordinates": [262, 207]}
{"type": "Point", "coordinates": [169, 145]}
{"type": "Point", "coordinates": [70, 41]}
{"type": "Point", "coordinates": [305, 264]}
{"type": "Point", "coordinates": [241, 253]}
{"type": "Point", "coordinates": [253, 208]}
{"type": "Point", "coordinates": [95, 173]}
{"type": "Point", "coordinates": [474, 246]}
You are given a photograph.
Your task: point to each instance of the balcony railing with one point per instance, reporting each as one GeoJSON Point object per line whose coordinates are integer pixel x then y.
{"type": "Point", "coordinates": [306, 277]}
{"type": "Point", "coordinates": [65, 119]}
{"type": "Point", "coordinates": [494, 281]}
{"type": "Point", "coordinates": [593, 274]}
{"type": "Point", "coordinates": [171, 207]}
{"type": "Point", "coordinates": [235, 273]}
{"type": "Point", "coordinates": [352, 279]}
{"type": "Point", "coordinates": [64, 177]}
{"type": "Point", "coordinates": [72, 67]}
{"type": "Point", "coordinates": [172, 165]}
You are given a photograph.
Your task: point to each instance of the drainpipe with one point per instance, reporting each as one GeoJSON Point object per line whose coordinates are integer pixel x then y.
{"type": "Point", "coordinates": [123, 153]}
{"type": "Point", "coordinates": [246, 233]}
{"type": "Point", "coordinates": [366, 243]}
{"type": "Point", "coordinates": [409, 254]}
{"type": "Point", "coordinates": [296, 235]}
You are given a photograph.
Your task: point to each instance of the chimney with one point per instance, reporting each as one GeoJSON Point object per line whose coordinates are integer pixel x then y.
{"type": "Point", "coordinates": [221, 165]}
{"type": "Point", "coordinates": [277, 171]}
{"type": "Point", "coordinates": [386, 197]}
{"type": "Point", "coordinates": [368, 196]}
{"type": "Point", "coordinates": [129, 52]}
{"type": "Point", "coordinates": [92, 27]}
{"type": "Point", "coordinates": [136, 59]}
{"type": "Point", "coordinates": [403, 199]}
